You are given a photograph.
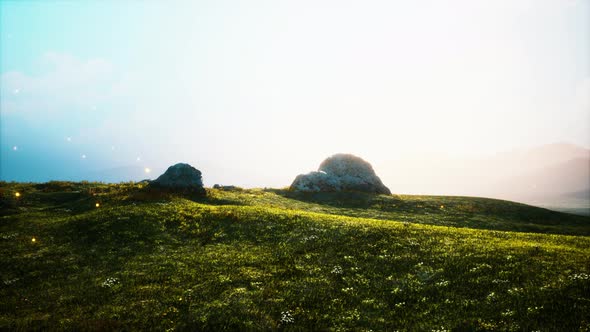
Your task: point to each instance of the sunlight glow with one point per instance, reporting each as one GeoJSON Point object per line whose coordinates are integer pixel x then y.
{"type": "Point", "coordinates": [17, 194]}
{"type": "Point", "coordinates": [415, 84]}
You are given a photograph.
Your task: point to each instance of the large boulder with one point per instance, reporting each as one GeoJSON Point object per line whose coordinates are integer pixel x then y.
{"type": "Point", "coordinates": [341, 172]}
{"type": "Point", "coordinates": [181, 177]}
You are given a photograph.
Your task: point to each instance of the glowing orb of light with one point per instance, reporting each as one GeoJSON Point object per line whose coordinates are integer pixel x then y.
{"type": "Point", "coordinates": [83, 156]}
{"type": "Point", "coordinates": [138, 159]}
{"type": "Point", "coordinates": [442, 206]}
{"type": "Point", "coordinates": [69, 139]}
{"type": "Point", "coordinates": [16, 91]}
{"type": "Point", "coordinates": [147, 170]}
{"type": "Point", "coordinates": [17, 194]}
{"type": "Point", "coordinates": [15, 148]}
{"type": "Point", "coordinates": [97, 204]}
{"type": "Point", "coordinates": [33, 240]}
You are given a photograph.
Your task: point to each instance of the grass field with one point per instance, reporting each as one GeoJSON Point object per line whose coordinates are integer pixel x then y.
{"type": "Point", "coordinates": [276, 260]}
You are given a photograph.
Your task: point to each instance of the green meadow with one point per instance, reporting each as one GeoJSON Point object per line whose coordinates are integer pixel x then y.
{"type": "Point", "coordinates": [93, 256]}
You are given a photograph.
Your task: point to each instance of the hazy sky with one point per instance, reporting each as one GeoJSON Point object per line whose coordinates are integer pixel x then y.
{"type": "Point", "coordinates": [256, 92]}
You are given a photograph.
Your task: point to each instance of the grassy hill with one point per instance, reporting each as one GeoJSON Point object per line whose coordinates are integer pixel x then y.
{"type": "Point", "coordinates": [276, 260]}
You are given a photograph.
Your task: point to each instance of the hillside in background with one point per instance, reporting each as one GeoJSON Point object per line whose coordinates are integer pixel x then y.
{"type": "Point", "coordinates": [547, 176]}
{"type": "Point", "coordinates": [555, 176]}
{"type": "Point", "coordinates": [90, 256]}
{"type": "Point", "coordinates": [543, 176]}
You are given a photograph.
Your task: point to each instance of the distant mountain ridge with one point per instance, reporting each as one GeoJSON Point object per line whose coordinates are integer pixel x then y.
{"type": "Point", "coordinates": [548, 175]}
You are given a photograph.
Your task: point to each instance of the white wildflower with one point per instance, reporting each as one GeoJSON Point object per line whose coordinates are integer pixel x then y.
{"type": "Point", "coordinates": [337, 270]}
{"type": "Point", "coordinates": [491, 296]}
{"type": "Point", "coordinates": [580, 276]}
{"type": "Point", "coordinates": [8, 282]}
{"type": "Point", "coordinates": [9, 236]}
{"type": "Point", "coordinates": [110, 282]}
{"type": "Point", "coordinates": [287, 317]}
{"type": "Point", "coordinates": [348, 289]}
{"type": "Point", "coordinates": [499, 281]}
{"type": "Point", "coordinates": [508, 313]}
{"type": "Point", "coordinates": [309, 238]}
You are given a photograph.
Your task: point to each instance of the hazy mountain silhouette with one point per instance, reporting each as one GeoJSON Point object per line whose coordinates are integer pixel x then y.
{"type": "Point", "coordinates": [561, 179]}
{"type": "Point", "coordinates": [555, 175]}
{"type": "Point", "coordinates": [584, 194]}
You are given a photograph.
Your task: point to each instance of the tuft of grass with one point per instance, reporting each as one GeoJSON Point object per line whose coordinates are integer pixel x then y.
{"type": "Point", "coordinates": [253, 259]}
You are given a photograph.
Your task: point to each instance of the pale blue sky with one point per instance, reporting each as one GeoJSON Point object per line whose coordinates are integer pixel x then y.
{"type": "Point", "coordinates": [254, 93]}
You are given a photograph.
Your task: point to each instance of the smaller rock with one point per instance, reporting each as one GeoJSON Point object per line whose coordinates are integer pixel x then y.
{"type": "Point", "coordinates": [315, 182]}
{"type": "Point", "coordinates": [225, 188]}
{"type": "Point", "coordinates": [181, 177]}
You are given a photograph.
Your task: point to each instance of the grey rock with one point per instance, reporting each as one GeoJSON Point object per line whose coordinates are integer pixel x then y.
{"type": "Point", "coordinates": [226, 188]}
{"type": "Point", "coordinates": [180, 176]}
{"type": "Point", "coordinates": [341, 172]}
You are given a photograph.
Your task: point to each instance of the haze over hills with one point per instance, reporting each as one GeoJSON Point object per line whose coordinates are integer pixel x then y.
{"type": "Point", "coordinates": [553, 175]}
{"type": "Point", "coordinates": [556, 176]}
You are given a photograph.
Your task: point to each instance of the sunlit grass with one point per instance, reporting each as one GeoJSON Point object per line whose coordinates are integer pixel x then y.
{"type": "Point", "coordinates": [273, 260]}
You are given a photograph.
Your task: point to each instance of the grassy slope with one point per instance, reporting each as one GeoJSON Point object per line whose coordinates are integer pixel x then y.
{"type": "Point", "coordinates": [274, 260]}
